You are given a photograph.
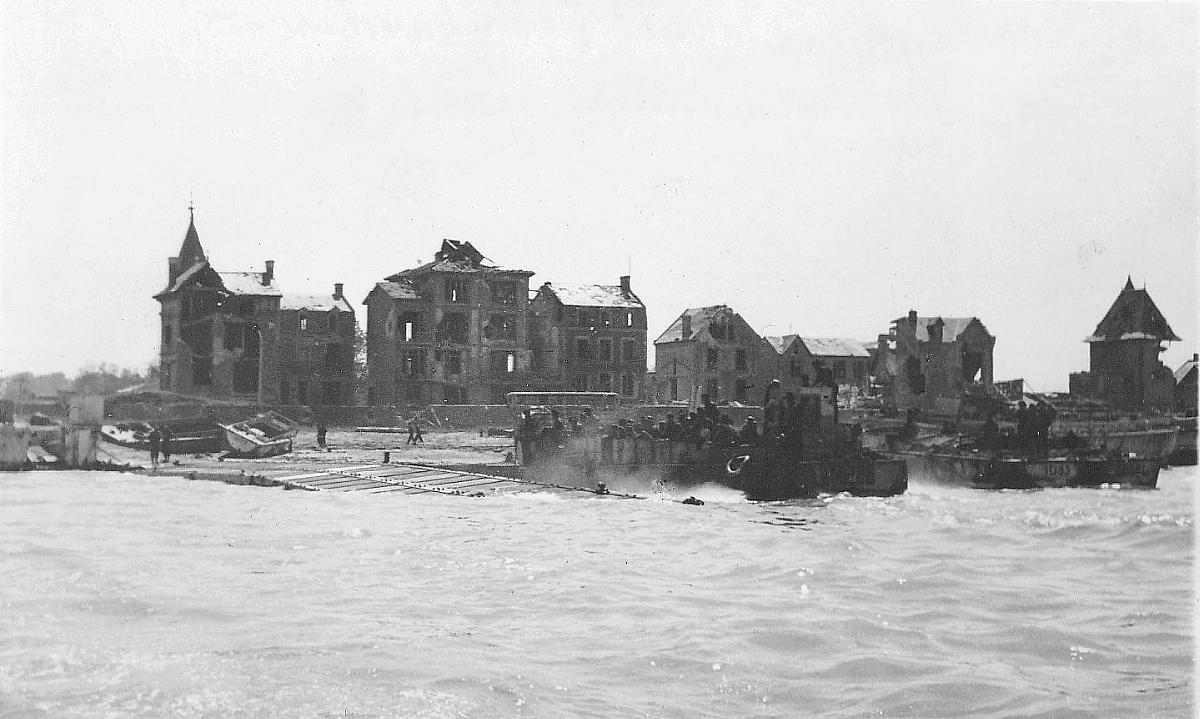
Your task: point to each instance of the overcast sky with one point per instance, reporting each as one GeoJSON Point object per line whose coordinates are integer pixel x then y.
{"type": "Point", "coordinates": [821, 169]}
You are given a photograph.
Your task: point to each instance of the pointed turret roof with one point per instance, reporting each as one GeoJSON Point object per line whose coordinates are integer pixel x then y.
{"type": "Point", "coordinates": [191, 251]}
{"type": "Point", "coordinates": [1133, 316]}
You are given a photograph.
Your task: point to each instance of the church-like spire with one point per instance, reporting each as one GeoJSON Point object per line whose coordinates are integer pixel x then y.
{"type": "Point", "coordinates": [191, 251]}
{"type": "Point", "coordinates": [1128, 284]}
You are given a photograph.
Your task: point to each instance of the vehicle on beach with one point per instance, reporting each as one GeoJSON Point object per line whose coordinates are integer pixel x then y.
{"type": "Point", "coordinates": [264, 435]}
{"type": "Point", "coordinates": [187, 436]}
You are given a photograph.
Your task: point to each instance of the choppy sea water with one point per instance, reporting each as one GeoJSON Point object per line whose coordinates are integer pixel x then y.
{"type": "Point", "coordinates": [130, 596]}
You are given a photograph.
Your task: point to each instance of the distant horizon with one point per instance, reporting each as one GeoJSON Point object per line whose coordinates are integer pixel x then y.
{"type": "Point", "coordinates": [822, 170]}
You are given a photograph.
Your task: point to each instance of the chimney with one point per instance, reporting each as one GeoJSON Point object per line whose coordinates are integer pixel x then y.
{"type": "Point", "coordinates": [912, 318]}
{"type": "Point", "coordinates": [625, 284]}
{"type": "Point", "coordinates": [1195, 357]}
{"type": "Point", "coordinates": [269, 274]}
{"type": "Point", "coordinates": [687, 326]}
{"type": "Point", "coordinates": [935, 330]}
{"type": "Point", "coordinates": [337, 290]}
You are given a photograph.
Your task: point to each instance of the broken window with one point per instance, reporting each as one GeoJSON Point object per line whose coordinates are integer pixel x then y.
{"type": "Point", "coordinates": [605, 354]}
{"type": "Point", "coordinates": [711, 389]}
{"type": "Point", "coordinates": [604, 319]}
{"type": "Point", "coordinates": [717, 330]}
{"type": "Point", "coordinates": [453, 328]}
{"type": "Point", "coordinates": [166, 335]}
{"type": "Point", "coordinates": [627, 385]}
{"type": "Point", "coordinates": [972, 363]}
{"type": "Point", "coordinates": [674, 385]}
{"type": "Point", "coordinates": [504, 293]}
{"type": "Point", "coordinates": [739, 361]}
{"type": "Point", "coordinates": [243, 337]}
{"type": "Point", "coordinates": [712, 359]}
{"type": "Point", "coordinates": [839, 369]}
{"type": "Point", "coordinates": [456, 290]}
{"type": "Point", "coordinates": [503, 361]}
{"type": "Point", "coordinates": [337, 359]}
{"type": "Point", "coordinates": [164, 382]}
{"type": "Point", "coordinates": [501, 327]}
{"type": "Point", "coordinates": [303, 324]}
{"type": "Point", "coordinates": [409, 324]}
{"type": "Point", "coordinates": [585, 318]}
{"type": "Point", "coordinates": [412, 363]}
{"type": "Point", "coordinates": [453, 360]}
{"type": "Point", "coordinates": [583, 348]}
{"type": "Point", "coordinates": [916, 378]}
{"type": "Point", "coordinates": [739, 391]}
{"type": "Point", "coordinates": [796, 368]}
{"type": "Point", "coordinates": [331, 392]}
{"type": "Point", "coordinates": [629, 319]}
{"type": "Point", "coordinates": [604, 383]}
{"type": "Point", "coordinates": [631, 351]}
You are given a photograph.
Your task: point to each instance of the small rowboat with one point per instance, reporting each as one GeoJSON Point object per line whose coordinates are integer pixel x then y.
{"type": "Point", "coordinates": [264, 435]}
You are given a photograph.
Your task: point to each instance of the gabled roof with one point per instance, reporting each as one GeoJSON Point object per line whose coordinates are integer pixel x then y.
{"type": "Point", "coordinates": [186, 276]}
{"type": "Point", "coordinates": [248, 283]}
{"type": "Point", "coordinates": [1133, 316]}
{"type": "Point", "coordinates": [820, 346]}
{"type": "Point", "coordinates": [457, 257]}
{"type": "Point", "coordinates": [953, 327]}
{"type": "Point", "coordinates": [701, 318]}
{"type": "Point", "coordinates": [782, 343]}
{"type": "Point", "coordinates": [592, 295]}
{"type": "Point", "coordinates": [191, 251]}
{"type": "Point", "coordinates": [1184, 370]}
{"type": "Point", "coordinates": [313, 302]}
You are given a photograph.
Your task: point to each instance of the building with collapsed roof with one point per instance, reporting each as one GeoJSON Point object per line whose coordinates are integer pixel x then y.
{"type": "Point", "coordinates": [713, 351]}
{"type": "Point", "coordinates": [237, 335]}
{"type": "Point", "coordinates": [453, 330]}
{"type": "Point", "coordinates": [930, 363]}
{"type": "Point", "coordinates": [797, 360]}
{"type": "Point", "coordinates": [1124, 369]}
{"type": "Point", "coordinates": [589, 338]}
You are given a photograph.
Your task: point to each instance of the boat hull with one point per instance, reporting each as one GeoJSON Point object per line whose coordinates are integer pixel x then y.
{"type": "Point", "coordinates": [990, 472]}
{"type": "Point", "coordinates": [186, 438]}
{"type": "Point", "coordinates": [767, 473]}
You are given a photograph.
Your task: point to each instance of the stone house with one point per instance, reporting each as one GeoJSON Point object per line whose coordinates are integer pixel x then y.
{"type": "Point", "coordinates": [713, 351]}
{"type": "Point", "coordinates": [1124, 368]}
{"type": "Point", "coordinates": [589, 338]}
{"type": "Point", "coordinates": [930, 362]}
{"type": "Point", "coordinates": [454, 330]}
{"type": "Point", "coordinates": [237, 336]}
{"type": "Point", "coordinates": [797, 356]}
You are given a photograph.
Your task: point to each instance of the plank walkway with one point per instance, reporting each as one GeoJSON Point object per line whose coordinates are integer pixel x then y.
{"type": "Point", "coordinates": [418, 479]}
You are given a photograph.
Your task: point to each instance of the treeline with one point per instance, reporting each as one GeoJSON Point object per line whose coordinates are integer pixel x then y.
{"type": "Point", "coordinates": [96, 379]}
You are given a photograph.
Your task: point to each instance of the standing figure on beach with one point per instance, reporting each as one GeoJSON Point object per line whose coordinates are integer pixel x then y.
{"type": "Point", "coordinates": [165, 445]}
{"type": "Point", "coordinates": [155, 445]}
{"type": "Point", "coordinates": [414, 432]}
{"type": "Point", "coordinates": [321, 431]}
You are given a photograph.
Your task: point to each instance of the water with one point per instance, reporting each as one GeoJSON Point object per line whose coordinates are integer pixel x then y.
{"type": "Point", "coordinates": [128, 596]}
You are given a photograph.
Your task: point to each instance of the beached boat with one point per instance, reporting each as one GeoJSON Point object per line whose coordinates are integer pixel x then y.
{"type": "Point", "coordinates": [1004, 470]}
{"type": "Point", "coordinates": [264, 435]}
{"type": "Point", "coordinates": [187, 436]}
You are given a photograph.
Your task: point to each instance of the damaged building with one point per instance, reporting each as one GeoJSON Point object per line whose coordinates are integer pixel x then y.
{"type": "Point", "coordinates": [931, 362]}
{"type": "Point", "coordinates": [1124, 369]}
{"type": "Point", "coordinates": [237, 336]}
{"type": "Point", "coordinates": [797, 359]}
{"type": "Point", "coordinates": [453, 330]}
{"type": "Point", "coordinates": [713, 351]}
{"type": "Point", "coordinates": [589, 338]}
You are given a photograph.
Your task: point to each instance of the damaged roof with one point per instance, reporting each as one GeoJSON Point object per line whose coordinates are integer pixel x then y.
{"type": "Point", "coordinates": [954, 327]}
{"type": "Point", "coordinates": [820, 346]}
{"type": "Point", "coordinates": [592, 295]}
{"type": "Point", "coordinates": [313, 302]}
{"type": "Point", "coordinates": [1133, 316]}
{"type": "Point", "coordinates": [1185, 369]}
{"type": "Point", "coordinates": [398, 290]}
{"type": "Point", "coordinates": [457, 257]}
{"type": "Point", "coordinates": [248, 283]}
{"type": "Point", "coordinates": [700, 318]}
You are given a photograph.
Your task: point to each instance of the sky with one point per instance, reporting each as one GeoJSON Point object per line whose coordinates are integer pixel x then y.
{"type": "Point", "coordinates": [822, 169]}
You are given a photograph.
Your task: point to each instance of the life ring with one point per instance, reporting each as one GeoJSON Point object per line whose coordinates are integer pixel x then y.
{"type": "Point", "coordinates": [735, 465]}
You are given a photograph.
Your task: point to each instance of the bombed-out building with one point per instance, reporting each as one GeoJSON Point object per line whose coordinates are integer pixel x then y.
{"type": "Point", "coordinates": [1125, 370]}
{"type": "Point", "coordinates": [713, 351]}
{"type": "Point", "coordinates": [929, 362]}
{"type": "Point", "coordinates": [453, 330]}
{"type": "Point", "coordinates": [236, 335]}
{"type": "Point", "coordinates": [589, 338]}
{"type": "Point", "coordinates": [798, 357]}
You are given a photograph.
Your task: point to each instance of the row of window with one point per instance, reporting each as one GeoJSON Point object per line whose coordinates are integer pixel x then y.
{"type": "Point", "coordinates": [713, 388]}
{"type": "Point", "coordinates": [412, 362]}
{"type": "Point", "coordinates": [458, 290]}
{"type": "Point", "coordinates": [599, 319]}
{"type": "Point", "coordinates": [603, 350]}
{"type": "Point", "coordinates": [603, 382]}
